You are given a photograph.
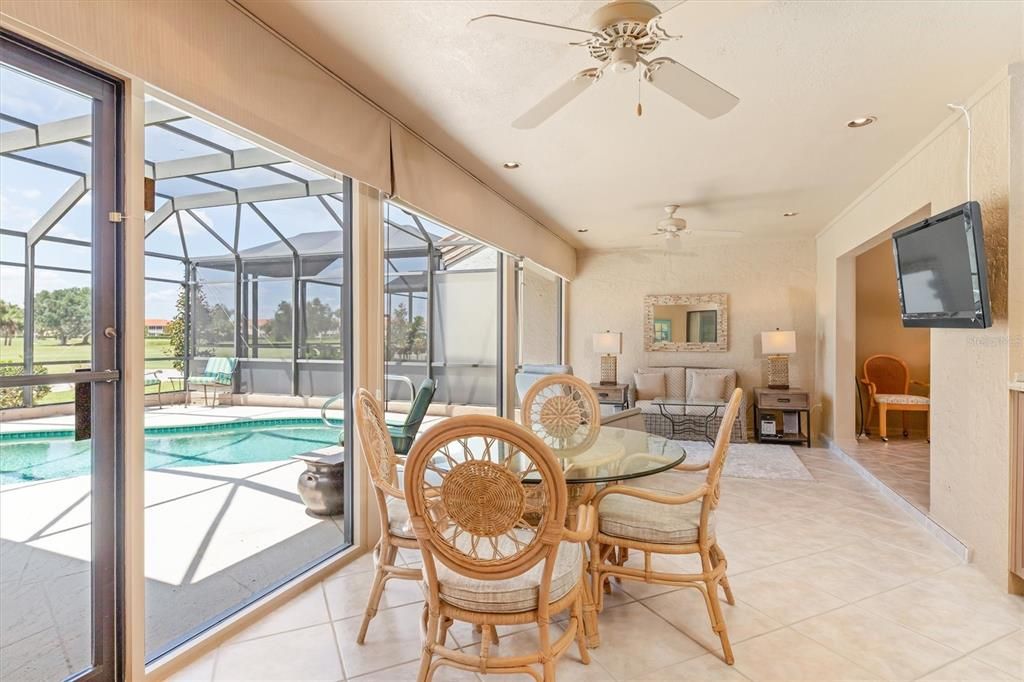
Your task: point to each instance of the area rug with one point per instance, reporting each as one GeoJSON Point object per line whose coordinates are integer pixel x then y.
{"type": "Point", "coordinates": [752, 460]}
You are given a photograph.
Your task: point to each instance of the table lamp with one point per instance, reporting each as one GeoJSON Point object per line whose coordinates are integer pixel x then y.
{"type": "Point", "coordinates": [610, 344]}
{"type": "Point", "coordinates": [778, 346]}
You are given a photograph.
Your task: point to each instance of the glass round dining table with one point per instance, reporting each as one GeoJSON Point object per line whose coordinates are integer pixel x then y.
{"type": "Point", "coordinates": [610, 454]}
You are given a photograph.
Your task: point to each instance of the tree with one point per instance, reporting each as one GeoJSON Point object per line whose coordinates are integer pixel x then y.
{"type": "Point", "coordinates": [12, 321]}
{"type": "Point", "coordinates": [404, 337]}
{"type": "Point", "coordinates": [280, 328]}
{"type": "Point", "coordinates": [175, 330]}
{"type": "Point", "coordinates": [321, 320]}
{"type": "Point", "coordinates": [64, 313]}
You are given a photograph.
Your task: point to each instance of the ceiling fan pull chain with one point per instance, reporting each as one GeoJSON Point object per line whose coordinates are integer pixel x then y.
{"type": "Point", "coordinates": [639, 106]}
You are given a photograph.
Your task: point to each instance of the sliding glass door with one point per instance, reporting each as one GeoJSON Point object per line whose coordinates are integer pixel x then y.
{"type": "Point", "coordinates": [60, 358]}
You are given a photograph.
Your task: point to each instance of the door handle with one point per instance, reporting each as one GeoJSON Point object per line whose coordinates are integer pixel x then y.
{"type": "Point", "coordinates": [83, 408]}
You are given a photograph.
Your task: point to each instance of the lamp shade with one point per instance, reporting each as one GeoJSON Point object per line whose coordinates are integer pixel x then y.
{"type": "Point", "coordinates": [608, 342]}
{"type": "Point", "coordinates": [778, 342]}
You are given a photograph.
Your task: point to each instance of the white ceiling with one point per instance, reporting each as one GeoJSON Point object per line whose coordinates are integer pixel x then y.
{"type": "Point", "coordinates": [801, 70]}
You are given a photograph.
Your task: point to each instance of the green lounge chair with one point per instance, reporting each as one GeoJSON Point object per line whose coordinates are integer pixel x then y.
{"type": "Point", "coordinates": [153, 379]}
{"type": "Point", "coordinates": [218, 374]}
{"type": "Point", "coordinates": [402, 435]}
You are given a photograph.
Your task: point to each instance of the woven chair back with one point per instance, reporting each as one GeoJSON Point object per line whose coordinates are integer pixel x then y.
{"type": "Point", "coordinates": [375, 442]}
{"type": "Point", "coordinates": [486, 497]}
{"type": "Point", "coordinates": [563, 411]}
{"type": "Point", "coordinates": [721, 450]}
{"type": "Point", "coordinates": [888, 373]}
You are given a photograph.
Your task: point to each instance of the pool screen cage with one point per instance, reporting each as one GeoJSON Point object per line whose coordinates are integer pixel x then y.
{"type": "Point", "coordinates": [240, 239]}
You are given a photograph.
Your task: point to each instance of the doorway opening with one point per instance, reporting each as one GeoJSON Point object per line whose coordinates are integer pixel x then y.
{"type": "Point", "coordinates": [893, 366]}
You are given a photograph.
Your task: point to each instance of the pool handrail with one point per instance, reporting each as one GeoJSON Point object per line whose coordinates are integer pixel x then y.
{"type": "Point", "coordinates": [387, 377]}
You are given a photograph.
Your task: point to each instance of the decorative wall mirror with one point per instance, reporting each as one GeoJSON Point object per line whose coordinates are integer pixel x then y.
{"type": "Point", "coordinates": [686, 322]}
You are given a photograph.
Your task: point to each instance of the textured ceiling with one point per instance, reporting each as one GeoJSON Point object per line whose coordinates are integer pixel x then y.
{"type": "Point", "coordinates": [801, 70]}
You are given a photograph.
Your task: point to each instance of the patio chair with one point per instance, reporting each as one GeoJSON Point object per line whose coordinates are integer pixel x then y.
{"type": "Point", "coordinates": [654, 521]}
{"type": "Point", "coordinates": [402, 435]}
{"type": "Point", "coordinates": [495, 548]}
{"type": "Point", "coordinates": [153, 379]}
{"type": "Point", "coordinates": [382, 463]}
{"type": "Point", "coordinates": [219, 374]}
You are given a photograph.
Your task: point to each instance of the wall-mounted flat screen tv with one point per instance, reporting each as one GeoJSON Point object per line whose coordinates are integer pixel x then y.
{"type": "Point", "coordinates": [940, 270]}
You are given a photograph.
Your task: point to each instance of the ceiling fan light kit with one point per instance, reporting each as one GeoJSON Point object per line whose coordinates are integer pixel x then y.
{"type": "Point", "coordinates": [671, 228]}
{"type": "Point", "coordinates": [623, 33]}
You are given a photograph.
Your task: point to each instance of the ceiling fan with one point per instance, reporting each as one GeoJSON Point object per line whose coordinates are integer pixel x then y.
{"type": "Point", "coordinates": [672, 228]}
{"type": "Point", "coordinates": [623, 34]}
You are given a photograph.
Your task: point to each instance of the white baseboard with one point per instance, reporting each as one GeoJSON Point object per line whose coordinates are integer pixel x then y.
{"type": "Point", "coordinates": [950, 541]}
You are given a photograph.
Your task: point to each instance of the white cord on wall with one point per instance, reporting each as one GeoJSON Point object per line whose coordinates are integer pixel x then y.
{"type": "Point", "coordinates": [967, 117]}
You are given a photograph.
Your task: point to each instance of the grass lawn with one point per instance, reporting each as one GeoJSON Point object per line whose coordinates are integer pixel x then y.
{"type": "Point", "coordinates": [50, 350]}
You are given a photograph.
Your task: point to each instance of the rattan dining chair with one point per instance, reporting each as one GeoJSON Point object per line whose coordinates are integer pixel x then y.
{"type": "Point", "coordinates": [655, 521]}
{"type": "Point", "coordinates": [396, 530]}
{"type": "Point", "coordinates": [563, 411]}
{"type": "Point", "coordinates": [495, 547]}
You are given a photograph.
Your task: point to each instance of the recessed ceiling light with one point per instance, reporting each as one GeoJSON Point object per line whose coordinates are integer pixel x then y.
{"type": "Point", "coordinates": [510, 165]}
{"type": "Point", "coordinates": [790, 214]}
{"type": "Point", "coordinates": [861, 122]}
{"type": "Point", "coordinates": [582, 230]}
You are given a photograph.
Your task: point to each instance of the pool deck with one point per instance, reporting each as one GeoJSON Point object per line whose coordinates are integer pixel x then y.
{"type": "Point", "coordinates": [215, 536]}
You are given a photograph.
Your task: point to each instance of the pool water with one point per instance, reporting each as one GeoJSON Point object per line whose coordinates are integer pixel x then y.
{"type": "Point", "coordinates": [37, 457]}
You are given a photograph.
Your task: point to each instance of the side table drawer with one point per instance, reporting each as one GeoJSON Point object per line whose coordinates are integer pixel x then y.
{"type": "Point", "coordinates": [781, 401]}
{"type": "Point", "coordinates": [610, 394]}
{"type": "Point", "coordinates": [613, 394]}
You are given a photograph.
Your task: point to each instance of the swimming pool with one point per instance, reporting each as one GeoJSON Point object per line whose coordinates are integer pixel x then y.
{"type": "Point", "coordinates": [26, 457]}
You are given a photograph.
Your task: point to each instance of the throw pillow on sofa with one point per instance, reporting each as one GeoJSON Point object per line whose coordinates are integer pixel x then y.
{"type": "Point", "coordinates": [649, 385]}
{"type": "Point", "coordinates": [707, 387]}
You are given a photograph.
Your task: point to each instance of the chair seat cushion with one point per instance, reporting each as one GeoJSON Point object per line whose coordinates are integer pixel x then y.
{"type": "Point", "coordinates": [901, 399]}
{"type": "Point", "coordinates": [398, 519]}
{"type": "Point", "coordinates": [512, 595]}
{"type": "Point", "coordinates": [151, 381]}
{"type": "Point", "coordinates": [632, 518]}
{"type": "Point", "coordinates": [220, 380]}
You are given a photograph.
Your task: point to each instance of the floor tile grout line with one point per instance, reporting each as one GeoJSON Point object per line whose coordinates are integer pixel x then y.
{"type": "Point", "coordinates": [213, 668]}
{"type": "Point", "coordinates": [334, 631]}
{"type": "Point", "coordinates": [842, 655]}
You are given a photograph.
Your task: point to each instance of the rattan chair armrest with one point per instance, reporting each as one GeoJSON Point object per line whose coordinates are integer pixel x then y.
{"type": "Point", "coordinates": [586, 524]}
{"type": "Point", "coordinates": [691, 467]}
{"type": "Point", "coordinates": [650, 495]}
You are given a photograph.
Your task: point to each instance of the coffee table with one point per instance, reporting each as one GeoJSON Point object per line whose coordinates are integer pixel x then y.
{"type": "Point", "coordinates": [691, 418]}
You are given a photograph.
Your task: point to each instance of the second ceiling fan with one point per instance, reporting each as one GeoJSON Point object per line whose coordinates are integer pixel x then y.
{"type": "Point", "coordinates": [623, 34]}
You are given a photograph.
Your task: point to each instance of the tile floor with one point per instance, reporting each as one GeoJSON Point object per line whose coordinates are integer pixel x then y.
{"type": "Point", "coordinates": [904, 465]}
{"type": "Point", "coordinates": [832, 583]}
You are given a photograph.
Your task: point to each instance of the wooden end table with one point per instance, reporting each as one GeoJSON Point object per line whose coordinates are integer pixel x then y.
{"type": "Point", "coordinates": [612, 394]}
{"type": "Point", "coordinates": [784, 401]}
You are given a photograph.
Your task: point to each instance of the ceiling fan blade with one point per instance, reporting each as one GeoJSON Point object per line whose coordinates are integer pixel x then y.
{"type": "Point", "coordinates": [525, 28]}
{"type": "Point", "coordinates": [550, 105]}
{"type": "Point", "coordinates": [727, 234]}
{"type": "Point", "coordinates": [690, 88]}
{"type": "Point", "coordinates": [692, 18]}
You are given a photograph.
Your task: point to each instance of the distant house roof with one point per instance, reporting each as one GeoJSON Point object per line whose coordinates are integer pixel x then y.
{"type": "Point", "coordinates": [156, 322]}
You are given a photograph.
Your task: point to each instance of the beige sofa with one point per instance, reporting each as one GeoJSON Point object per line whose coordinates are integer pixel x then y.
{"type": "Point", "coordinates": [689, 421]}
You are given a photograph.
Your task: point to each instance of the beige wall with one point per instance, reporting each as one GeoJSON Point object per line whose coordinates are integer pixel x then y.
{"type": "Point", "coordinates": [769, 283]}
{"type": "Point", "coordinates": [879, 328]}
{"type": "Point", "coordinates": [970, 423]}
{"type": "Point", "coordinates": [539, 316]}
